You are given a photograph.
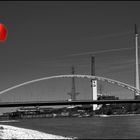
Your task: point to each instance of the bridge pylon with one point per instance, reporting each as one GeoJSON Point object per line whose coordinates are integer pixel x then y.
{"type": "Point", "coordinates": [93, 83]}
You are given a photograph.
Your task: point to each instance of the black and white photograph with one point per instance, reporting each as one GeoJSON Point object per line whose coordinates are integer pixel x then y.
{"type": "Point", "coordinates": [69, 69]}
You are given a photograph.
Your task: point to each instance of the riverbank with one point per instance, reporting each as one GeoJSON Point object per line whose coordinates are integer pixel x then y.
{"type": "Point", "coordinates": [11, 132]}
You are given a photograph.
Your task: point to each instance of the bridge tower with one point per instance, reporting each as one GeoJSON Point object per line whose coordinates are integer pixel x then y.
{"type": "Point", "coordinates": [93, 82]}
{"type": "Point", "coordinates": [73, 92]}
{"type": "Point", "coordinates": [137, 62]}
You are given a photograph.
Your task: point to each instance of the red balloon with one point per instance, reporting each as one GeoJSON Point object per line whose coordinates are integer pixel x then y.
{"type": "Point", "coordinates": [3, 33]}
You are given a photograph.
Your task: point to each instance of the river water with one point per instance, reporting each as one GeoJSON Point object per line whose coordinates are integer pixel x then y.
{"type": "Point", "coordinates": [114, 127]}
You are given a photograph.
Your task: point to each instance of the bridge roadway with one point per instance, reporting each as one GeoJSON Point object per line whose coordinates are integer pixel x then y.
{"type": "Point", "coordinates": [54, 103]}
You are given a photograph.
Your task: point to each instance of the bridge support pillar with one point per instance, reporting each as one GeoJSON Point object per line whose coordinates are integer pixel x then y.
{"type": "Point", "coordinates": [94, 92]}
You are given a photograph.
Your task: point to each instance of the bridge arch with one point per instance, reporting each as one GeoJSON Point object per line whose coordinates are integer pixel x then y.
{"type": "Point", "coordinates": [118, 83]}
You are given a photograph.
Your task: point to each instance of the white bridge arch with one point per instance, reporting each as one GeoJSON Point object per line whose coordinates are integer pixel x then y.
{"type": "Point", "coordinates": [118, 83]}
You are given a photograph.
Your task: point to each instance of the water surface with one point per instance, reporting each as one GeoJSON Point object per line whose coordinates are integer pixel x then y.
{"type": "Point", "coordinates": [117, 127]}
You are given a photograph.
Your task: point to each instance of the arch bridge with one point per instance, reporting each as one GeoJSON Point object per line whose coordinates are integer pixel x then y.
{"type": "Point", "coordinates": [118, 83]}
{"type": "Point", "coordinates": [50, 103]}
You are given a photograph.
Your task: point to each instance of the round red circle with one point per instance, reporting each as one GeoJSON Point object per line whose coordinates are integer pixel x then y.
{"type": "Point", "coordinates": [3, 32]}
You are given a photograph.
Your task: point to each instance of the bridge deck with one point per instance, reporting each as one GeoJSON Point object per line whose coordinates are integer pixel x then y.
{"type": "Point", "coordinates": [53, 103]}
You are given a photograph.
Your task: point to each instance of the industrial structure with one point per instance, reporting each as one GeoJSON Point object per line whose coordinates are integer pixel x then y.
{"type": "Point", "coordinates": [73, 92]}
{"type": "Point", "coordinates": [137, 63]}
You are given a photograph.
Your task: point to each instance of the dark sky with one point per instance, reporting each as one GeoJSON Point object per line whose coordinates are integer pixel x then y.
{"type": "Point", "coordinates": [46, 38]}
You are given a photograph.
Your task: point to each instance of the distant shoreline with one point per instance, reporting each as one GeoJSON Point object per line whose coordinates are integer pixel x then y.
{"type": "Point", "coordinates": [102, 115]}
{"type": "Point", "coordinates": [117, 115]}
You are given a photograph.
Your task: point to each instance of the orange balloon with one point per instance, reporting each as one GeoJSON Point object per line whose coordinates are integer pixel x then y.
{"type": "Point", "coordinates": [3, 32]}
